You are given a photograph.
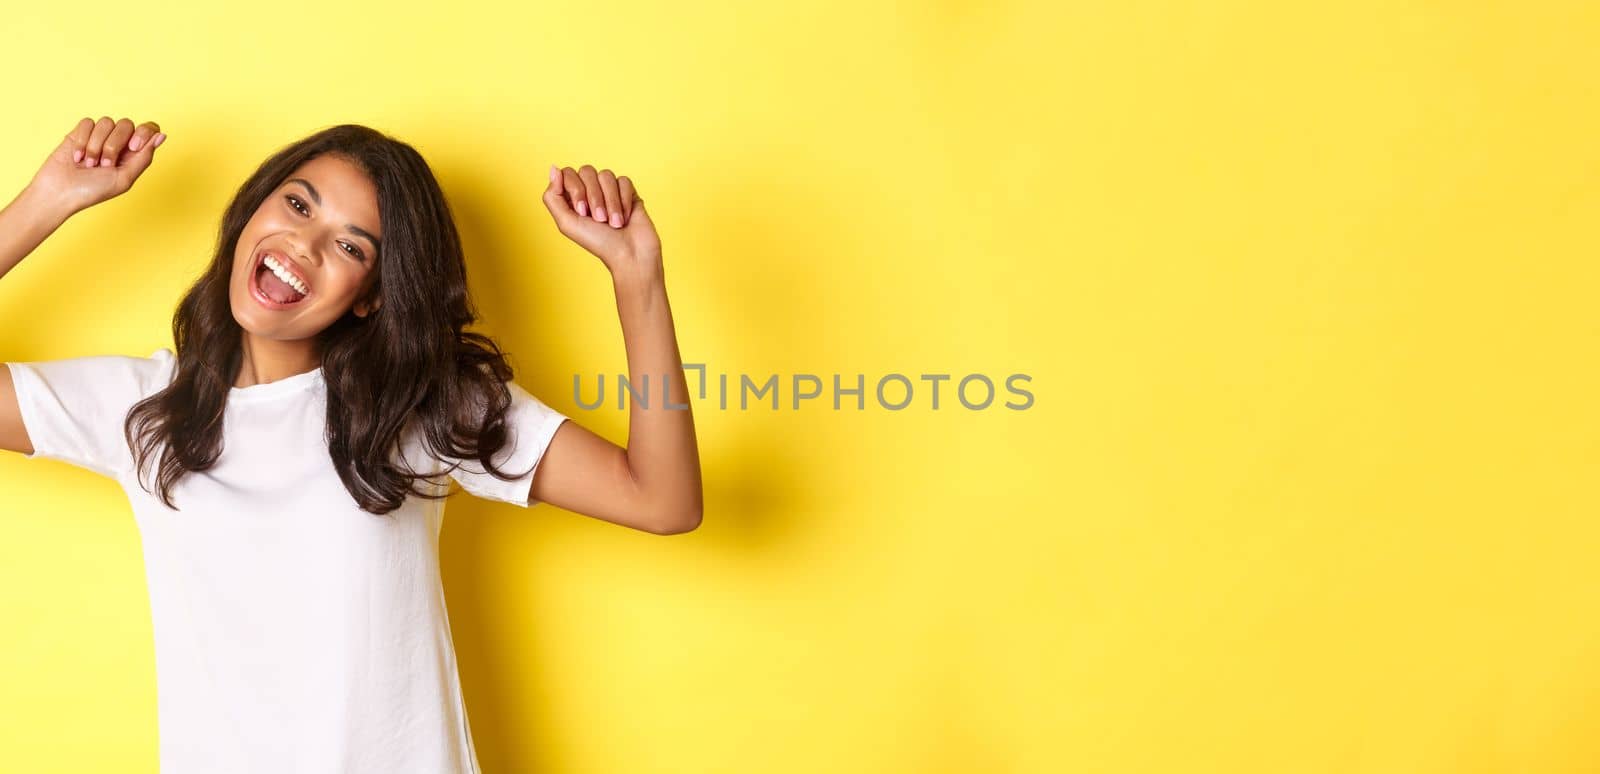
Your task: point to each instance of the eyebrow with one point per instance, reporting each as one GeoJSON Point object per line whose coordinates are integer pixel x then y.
{"type": "Point", "coordinates": [354, 229]}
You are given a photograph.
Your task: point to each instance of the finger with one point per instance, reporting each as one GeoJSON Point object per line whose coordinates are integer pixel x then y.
{"type": "Point", "coordinates": [77, 138]}
{"type": "Point", "coordinates": [142, 134]}
{"type": "Point", "coordinates": [556, 201]}
{"type": "Point", "coordinates": [591, 188]}
{"type": "Point", "coordinates": [97, 139]}
{"type": "Point", "coordinates": [111, 152]}
{"type": "Point", "coordinates": [573, 185]}
{"type": "Point", "coordinates": [640, 214]}
{"type": "Point", "coordinates": [136, 162]}
{"type": "Point", "coordinates": [608, 188]}
{"type": "Point", "coordinates": [555, 189]}
{"type": "Point", "coordinates": [625, 190]}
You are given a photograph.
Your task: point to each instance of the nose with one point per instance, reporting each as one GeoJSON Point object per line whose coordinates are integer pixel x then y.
{"type": "Point", "coordinates": [301, 254]}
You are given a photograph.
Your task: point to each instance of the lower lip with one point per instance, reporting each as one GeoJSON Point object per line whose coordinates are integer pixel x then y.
{"type": "Point", "coordinates": [261, 296]}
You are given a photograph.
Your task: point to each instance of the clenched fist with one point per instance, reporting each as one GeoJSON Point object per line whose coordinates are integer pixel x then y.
{"type": "Point", "coordinates": [605, 214]}
{"type": "Point", "coordinates": [96, 161]}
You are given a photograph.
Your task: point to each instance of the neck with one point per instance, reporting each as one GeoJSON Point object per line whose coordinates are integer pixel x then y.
{"type": "Point", "coordinates": [263, 361]}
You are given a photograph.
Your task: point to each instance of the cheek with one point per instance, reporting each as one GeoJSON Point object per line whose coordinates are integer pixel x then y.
{"type": "Point", "coordinates": [254, 230]}
{"type": "Point", "coordinates": [342, 283]}
{"type": "Point", "coordinates": [241, 263]}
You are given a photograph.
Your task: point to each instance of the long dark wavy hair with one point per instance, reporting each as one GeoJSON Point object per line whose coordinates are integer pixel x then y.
{"type": "Point", "coordinates": [408, 366]}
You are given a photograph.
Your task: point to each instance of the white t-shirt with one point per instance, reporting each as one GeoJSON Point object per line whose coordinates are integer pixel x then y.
{"type": "Point", "coordinates": [294, 632]}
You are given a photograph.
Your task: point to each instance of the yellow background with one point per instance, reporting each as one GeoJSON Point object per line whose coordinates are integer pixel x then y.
{"type": "Point", "coordinates": [1306, 292]}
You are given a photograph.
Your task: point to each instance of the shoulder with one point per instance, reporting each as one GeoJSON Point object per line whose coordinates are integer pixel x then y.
{"type": "Point", "coordinates": [112, 377]}
{"type": "Point", "coordinates": [147, 374]}
{"type": "Point", "coordinates": [154, 372]}
{"type": "Point", "coordinates": [74, 408]}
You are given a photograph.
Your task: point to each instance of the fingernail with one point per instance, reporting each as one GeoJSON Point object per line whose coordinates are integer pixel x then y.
{"type": "Point", "coordinates": [552, 173]}
{"type": "Point", "coordinates": [600, 214]}
{"type": "Point", "coordinates": [105, 161]}
{"type": "Point", "coordinates": [77, 156]}
{"type": "Point", "coordinates": [161, 137]}
{"type": "Point", "coordinates": [616, 220]}
{"type": "Point", "coordinates": [134, 143]}
{"type": "Point", "coordinates": [583, 207]}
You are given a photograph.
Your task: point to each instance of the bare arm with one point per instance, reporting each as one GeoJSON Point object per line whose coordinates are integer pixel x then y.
{"type": "Point", "coordinates": [72, 178]}
{"type": "Point", "coordinates": [653, 484]}
{"type": "Point", "coordinates": [24, 225]}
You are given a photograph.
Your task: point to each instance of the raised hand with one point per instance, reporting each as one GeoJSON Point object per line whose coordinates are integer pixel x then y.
{"type": "Point", "coordinates": [605, 214]}
{"type": "Point", "coordinates": [96, 161]}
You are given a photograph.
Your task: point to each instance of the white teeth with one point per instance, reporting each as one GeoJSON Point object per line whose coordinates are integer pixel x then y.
{"type": "Point", "coordinates": [285, 275]}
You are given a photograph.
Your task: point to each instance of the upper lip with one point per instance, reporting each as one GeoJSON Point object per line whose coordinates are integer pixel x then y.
{"type": "Point", "coordinates": [287, 264]}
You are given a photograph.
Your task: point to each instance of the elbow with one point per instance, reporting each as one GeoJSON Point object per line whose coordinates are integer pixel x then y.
{"type": "Point", "coordinates": [678, 522]}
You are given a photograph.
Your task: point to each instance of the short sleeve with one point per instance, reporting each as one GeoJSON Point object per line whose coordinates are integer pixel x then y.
{"type": "Point", "coordinates": [74, 409]}
{"type": "Point", "coordinates": [532, 425]}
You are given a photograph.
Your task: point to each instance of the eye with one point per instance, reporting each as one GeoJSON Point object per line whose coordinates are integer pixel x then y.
{"type": "Point", "coordinates": [299, 206]}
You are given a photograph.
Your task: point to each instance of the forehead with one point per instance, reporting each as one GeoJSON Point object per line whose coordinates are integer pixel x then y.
{"type": "Point", "coordinates": [347, 193]}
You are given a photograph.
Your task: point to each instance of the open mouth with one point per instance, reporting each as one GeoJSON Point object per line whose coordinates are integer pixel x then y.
{"type": "Point", "coordinates": [276, 288]}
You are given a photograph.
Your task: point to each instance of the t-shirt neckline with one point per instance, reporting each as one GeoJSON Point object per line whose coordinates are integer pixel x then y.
{"type": "Point", "coordinates": [286, 385]}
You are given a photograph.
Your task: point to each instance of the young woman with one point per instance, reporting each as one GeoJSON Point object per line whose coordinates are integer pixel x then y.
{"type": "Point", "coordinates": [287, 464]}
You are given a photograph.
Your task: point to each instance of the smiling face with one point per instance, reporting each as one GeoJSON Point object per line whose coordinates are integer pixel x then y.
{"type": "Point", "coordinates": [320, 226]}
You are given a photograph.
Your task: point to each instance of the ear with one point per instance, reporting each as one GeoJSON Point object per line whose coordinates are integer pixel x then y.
{"type": "Point", "coordinates": [362, 309]}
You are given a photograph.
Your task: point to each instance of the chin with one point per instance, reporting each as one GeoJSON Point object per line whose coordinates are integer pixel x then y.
{"type": "Point", "coordinates": [263, 322]}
